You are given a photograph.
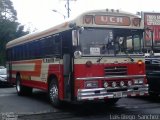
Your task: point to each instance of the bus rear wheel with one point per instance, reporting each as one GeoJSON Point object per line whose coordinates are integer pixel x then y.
{"type": "Point", "coordinates": [53, 93]}
{"type": "Point", "coordinates": [22, 90]}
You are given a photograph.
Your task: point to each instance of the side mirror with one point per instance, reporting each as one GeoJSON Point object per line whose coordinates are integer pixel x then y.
{"type": "Point", "coordinates": [75, 38]}
{"type": "Point", "coordinates": [81, 29]}
{"type": "Point", "coordinates": [72, 25]}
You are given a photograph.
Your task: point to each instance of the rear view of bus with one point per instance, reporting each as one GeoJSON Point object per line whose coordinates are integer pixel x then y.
{"type": "Point", "coordinates": [96, 56]}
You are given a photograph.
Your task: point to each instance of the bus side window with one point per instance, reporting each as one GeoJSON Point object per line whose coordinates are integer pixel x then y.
{"type": "Point", "coordinates": [31, 50]}
{"type": "Point", "coordinates": [9, 54]}
{"type": "Point", "coordinates": [37, 49]}
{"type": "Point", "coordinates": [27, 51]}
{"type": "Point", "coordinates": [17, 51]}
{"type": "Point", "coordinates": [57, 45]}
{"type": "Point", "coordinates": [66, 42]}
{"type": "Point", "coordinates": [13, 53]}
{"type": "Point", "coordinates": [48, 46]}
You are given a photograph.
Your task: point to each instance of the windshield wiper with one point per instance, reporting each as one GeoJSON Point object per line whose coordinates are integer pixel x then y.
{"type": "Point", "coordinates": [99, 59]}
{"type": "Point", "coordinates": [131, 59]}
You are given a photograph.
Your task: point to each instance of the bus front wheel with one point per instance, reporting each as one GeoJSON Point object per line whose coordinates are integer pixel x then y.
{"type": "Point", "coordinates": [53, 93]}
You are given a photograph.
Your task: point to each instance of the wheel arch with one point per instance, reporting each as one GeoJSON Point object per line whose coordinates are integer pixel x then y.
{"type": "Point", "coordinates": [18, 74]}
{"type": "Point", "coordinates": [51, 77]}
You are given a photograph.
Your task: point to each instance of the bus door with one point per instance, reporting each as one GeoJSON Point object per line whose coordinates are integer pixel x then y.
{"type": "Point", "coordinates": [67, 76]}
{"type": "Point", "coordinates": [67, 65]}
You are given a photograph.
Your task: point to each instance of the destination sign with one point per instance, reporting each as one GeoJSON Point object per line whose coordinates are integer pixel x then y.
{"type": "Point", "coordinates": [112, 20]}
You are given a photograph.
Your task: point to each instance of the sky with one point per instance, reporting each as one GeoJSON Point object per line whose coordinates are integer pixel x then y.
{"type": "Point", "coordinates": [39, 15]}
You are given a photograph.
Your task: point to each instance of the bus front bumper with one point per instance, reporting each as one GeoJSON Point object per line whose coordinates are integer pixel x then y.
{"type": "Point", "coordinates": [103, 93]}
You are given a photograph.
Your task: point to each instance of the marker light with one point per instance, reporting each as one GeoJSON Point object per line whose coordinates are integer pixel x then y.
{"type": "Point", "coordinates": [139, 62]}
{"type": "Point", "coordinates": [88, 63]}
{"type": "Point", "coordinates": [105, 84]}
{"type": "Point", "coordinates": [114, 84]}
{"type": "Point", "coordinates": [122, 83]}
{"type": "Point", "coordinates": [136, 21]}
{"type": "Point", "coordinates": [129, 83]}
{"type": "Point", "coordinates": [88, 19]}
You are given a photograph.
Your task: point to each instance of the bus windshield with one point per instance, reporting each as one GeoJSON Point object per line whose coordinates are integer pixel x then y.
{"type": "Point", "coordinates": [110, 41]}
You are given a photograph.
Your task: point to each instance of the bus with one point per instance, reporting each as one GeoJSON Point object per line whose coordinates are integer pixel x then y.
{"type": "Point", "coordinates": [96, 56]}
{"type": "Point", "coordinates": [151, 49]}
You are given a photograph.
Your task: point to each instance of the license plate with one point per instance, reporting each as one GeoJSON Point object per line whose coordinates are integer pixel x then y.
{"type": "Point", "coordinates": [117, 94]}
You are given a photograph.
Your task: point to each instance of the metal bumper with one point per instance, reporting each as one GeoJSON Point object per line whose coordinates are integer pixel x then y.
{"type": "Point", "coordinates": [103, 93]}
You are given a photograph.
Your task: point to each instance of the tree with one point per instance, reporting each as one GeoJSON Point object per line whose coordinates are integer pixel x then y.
{"type": "Point", "coordinates": [7, 11]}
{"type": "Point", "coordinates": [9, 27]}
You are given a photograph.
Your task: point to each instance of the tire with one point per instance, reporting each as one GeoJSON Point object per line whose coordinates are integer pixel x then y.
{"type": "Point", "coordinates": [111, 101]}
{"type": "Point", "coordinates": [22, 90]}
{"type": "Point", "coordinates": [53, 93]}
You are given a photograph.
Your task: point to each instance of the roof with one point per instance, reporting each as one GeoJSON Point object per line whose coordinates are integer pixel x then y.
{"type": "Point", "coordinates": [63, 26]}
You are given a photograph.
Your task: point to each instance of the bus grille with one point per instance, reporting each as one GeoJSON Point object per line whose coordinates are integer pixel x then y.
{"type": "Point", "coordinates": [116, 70]}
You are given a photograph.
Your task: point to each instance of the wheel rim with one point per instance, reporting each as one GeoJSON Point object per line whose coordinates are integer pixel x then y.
{"type": "Point", "coordinates": [18, 85]}
{"type": "Point", "coordinates": [54, 93]}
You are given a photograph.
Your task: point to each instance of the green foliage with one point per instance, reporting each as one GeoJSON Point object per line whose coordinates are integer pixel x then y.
{"type": "Point", "coordinates": [7, 10]}
{"type": "Point", "coordinates": [9, 27]}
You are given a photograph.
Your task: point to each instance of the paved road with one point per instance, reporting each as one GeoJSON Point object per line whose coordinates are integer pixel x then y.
{"type": "Point", "coordinates": [37, 107]}
{"type": "Point", "coordinates": [11, 102]}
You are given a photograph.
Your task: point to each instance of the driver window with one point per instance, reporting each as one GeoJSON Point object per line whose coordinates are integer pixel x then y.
{"type": "Point", "coordinates": [137, 42]}
{"type": "Point", "coordinates": [120, 44]}
{"type": "Point", "coordinates": [130, 44]}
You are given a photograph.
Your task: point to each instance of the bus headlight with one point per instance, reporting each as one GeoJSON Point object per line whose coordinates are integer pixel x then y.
{"type": "Point", "coordinates": [91, 84]}
{"type": "Point", "coordinates": [77, 54]}
{"type": "Point", "coordinates": [138, 81]}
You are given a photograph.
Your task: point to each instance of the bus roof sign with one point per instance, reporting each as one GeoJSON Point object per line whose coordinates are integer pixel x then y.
{"type": "Point", "coordinates": [112, 20]}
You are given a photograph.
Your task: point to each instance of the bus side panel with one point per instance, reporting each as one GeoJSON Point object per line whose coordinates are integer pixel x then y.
{"type": "Point", "coordinates": [35, 84]}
